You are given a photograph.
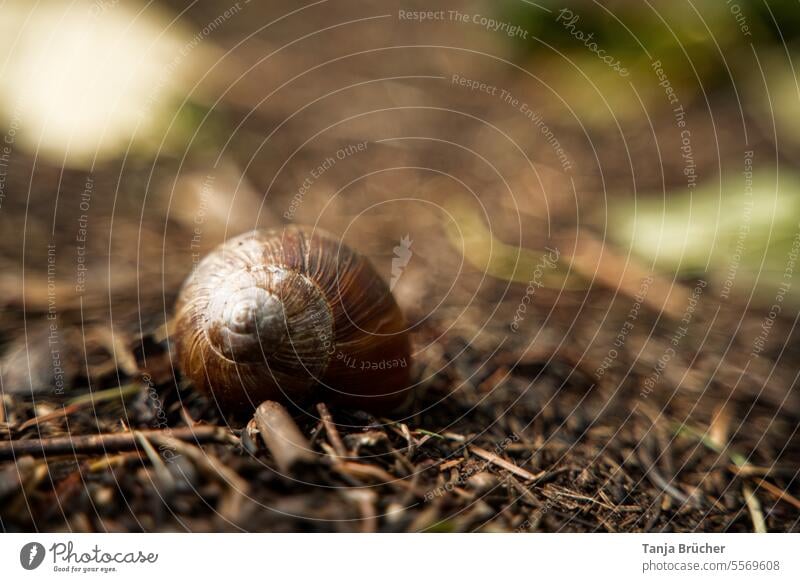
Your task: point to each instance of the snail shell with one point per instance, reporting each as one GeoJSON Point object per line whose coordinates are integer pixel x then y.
{"type": "Point", "coordinates": [292, 315]}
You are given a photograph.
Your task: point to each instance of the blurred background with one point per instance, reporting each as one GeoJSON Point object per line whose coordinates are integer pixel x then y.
{"type": "Point", "coordinates": [603, 191]}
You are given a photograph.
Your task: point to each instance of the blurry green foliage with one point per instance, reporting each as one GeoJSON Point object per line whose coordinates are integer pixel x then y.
{"type": "Point", "coordinates": [700, 46]}
{"type": "Point", "coordinates": [747, 240]}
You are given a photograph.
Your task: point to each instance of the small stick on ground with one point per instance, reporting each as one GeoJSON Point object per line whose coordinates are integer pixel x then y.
{"type": "Point", "coordinates": [503, 464]}
{"type": "Point", "coordinates": [84, 401]}
{"type": "Point", "coordinates": [754, 508]}
{"type": "Point", "coordinates": [232, 503]}
{"type": "Point", "coordinates": [651, 472]}
{"type": "Point", "coordinates": [58, 413]}
{"type": "Point", "coordinates": [167, 481]}
{"type": "Point", "coordinates": [282, 436]}
{"type": "Point", "coordinates": [94, 444]}
{"type": "Point", "coordinates": [330, 430]}
{"type": "Point", "coordinates": [778, 493]}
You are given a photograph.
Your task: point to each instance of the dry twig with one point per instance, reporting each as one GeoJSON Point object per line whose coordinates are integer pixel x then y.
{"type": "Point", "coordinates": [282, 436]}
{"type": "Point", "coordinates": [93, 444]}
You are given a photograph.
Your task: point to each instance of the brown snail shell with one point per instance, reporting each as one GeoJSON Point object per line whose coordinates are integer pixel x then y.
{"type": "Point", "coordinates": [292, 315]}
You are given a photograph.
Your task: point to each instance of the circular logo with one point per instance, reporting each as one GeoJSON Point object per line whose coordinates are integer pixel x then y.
{"type": "Point", "coordinates": [31, 555]}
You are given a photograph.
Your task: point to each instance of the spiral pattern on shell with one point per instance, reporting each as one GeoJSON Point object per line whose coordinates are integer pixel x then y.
{"type": "Point", "coordinates": [291, 315]}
